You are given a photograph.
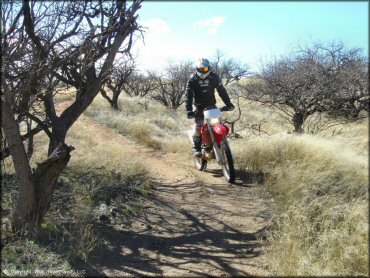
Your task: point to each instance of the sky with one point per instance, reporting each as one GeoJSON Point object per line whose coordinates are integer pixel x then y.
{"type": "Point", "coordinates": [250, 31]}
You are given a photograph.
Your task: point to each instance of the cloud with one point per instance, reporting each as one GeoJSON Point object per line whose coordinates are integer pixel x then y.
{"type": "Point", "coordinates": [156, 26]}
{"type": "Point", "coordinates": [212, 24]}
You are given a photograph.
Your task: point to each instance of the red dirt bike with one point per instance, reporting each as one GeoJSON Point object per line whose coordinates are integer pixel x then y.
{"type": "Point", "coordinates": [215, 146]}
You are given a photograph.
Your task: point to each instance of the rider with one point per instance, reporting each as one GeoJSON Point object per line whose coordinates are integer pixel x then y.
{"type": "Point", "coordinates": [201, 87]}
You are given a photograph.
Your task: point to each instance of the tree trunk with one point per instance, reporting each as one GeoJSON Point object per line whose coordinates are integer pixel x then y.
{"type": "Point", "coordinates": [105, 95]}
{"type": "Point", "coordinates": [35, 189]}
{"type": "Point", "coordinates": [25, 203]}
{"type": "Point", "coordinates": [114, 102]}
{"type": "Point", "coordinates": [298, 120]}
{"type": "Point", "coordinates": [350, 110]}
{"type": "Point", "coordinates": [45, 178]}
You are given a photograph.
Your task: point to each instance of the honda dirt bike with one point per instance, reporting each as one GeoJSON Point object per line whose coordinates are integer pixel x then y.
{"type": "Point", "coordinates": [214, 143]}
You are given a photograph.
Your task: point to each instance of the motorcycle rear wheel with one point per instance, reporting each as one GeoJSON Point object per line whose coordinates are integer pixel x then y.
{"type": "Point", "coordinates": [200, 163]}
{"type": "Point", "coordinates": [228, 163]}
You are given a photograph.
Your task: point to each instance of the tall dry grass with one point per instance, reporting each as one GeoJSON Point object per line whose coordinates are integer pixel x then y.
{"type": "Point", "coordinates": [320, 202]}
{"type": "Point", "coordinates": [96, 151]}
{"type": "Point", "coordinates": [155, 126]}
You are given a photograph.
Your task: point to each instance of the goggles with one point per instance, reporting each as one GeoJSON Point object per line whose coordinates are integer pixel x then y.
{"type": "Point", "coordinates": [203, 69]}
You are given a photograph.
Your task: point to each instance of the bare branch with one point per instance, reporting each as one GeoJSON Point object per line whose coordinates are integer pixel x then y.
{"type": "Point", "coordinates": [315, 79]}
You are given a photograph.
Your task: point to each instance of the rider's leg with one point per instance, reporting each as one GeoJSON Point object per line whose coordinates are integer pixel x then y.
{"type": "Point", "coordinates": [197, 138]}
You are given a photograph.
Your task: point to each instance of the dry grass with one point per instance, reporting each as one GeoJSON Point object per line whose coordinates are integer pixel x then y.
{"type": "Point", "coordinates": [156, 127]}
{"type": "Point", "coordinates": [318, 182]}
{"type": "Point", "coordinates": [94, 151]}
{"type": "Point", "coordinates": [320, 208]}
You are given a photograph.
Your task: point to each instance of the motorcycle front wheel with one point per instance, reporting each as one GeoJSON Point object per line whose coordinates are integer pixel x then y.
{"type": "Point", "coordinates": [227, 162]}
{"type": "Point", "coordinates": [200, 163]}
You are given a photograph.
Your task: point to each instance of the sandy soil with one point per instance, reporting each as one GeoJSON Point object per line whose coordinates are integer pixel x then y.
{"type": "Point", "coordinates": [193, 223]}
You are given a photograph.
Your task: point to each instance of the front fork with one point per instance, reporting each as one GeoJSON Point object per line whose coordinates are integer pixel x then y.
{"type": "Point", "coordinates": [216, 148]}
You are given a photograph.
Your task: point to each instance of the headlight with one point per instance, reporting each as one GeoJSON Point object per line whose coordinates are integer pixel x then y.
{"type": "Point", "coordinates": [214, 121]}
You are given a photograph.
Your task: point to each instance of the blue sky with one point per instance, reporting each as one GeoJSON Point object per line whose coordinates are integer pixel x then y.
{"type": "Point", "coordinates": [246, 30]}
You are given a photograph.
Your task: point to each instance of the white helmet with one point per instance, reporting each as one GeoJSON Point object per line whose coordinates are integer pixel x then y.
{"type": "Point", "coordinates": [203, 68]}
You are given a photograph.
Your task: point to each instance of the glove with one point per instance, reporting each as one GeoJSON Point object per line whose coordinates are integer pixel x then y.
{"type": "Point", "coordinates": [190, 114]}
{"type": "Point", "coordinates": [229, 107]}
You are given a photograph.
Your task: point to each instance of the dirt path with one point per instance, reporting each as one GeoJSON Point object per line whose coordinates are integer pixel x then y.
{"type": "Point", "coordinates": [193, 224]}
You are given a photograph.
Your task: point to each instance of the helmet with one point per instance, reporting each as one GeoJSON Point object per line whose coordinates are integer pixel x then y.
{"type": "Point", "coordinates": [203, 68]}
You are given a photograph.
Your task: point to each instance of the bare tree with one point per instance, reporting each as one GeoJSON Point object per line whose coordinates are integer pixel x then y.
{"type": "Point", "coordinates": [309, 81]}
{"type": "Point", "coordinates": [172, 84]}
{"type": "Point", "coordinates": [236, 115]}
{"type": "Point", "coordinates": [140, 84]}
{"type": "Point", "coordinates": [352, 95]}
{"type": "Point", "coordinates": [44, 43]}
{"type": "Point", "coordinates": [117, 80]}
{"type": "Point", "coordinates": [229, 69]}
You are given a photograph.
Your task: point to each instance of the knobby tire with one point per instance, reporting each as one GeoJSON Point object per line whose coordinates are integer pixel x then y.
{"type": "Point", "coordinates": [228, 160]}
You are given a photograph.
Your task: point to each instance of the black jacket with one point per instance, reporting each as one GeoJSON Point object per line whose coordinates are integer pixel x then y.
{"type": "Point", "coordinates": [203, 91]}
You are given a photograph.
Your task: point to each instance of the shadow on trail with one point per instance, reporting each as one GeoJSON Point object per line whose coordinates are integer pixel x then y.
{"type": "Point", "coordinates": [243, 178]}
{"type": "Point", "coordinates": [175, 238]}
{"type": "Point", "coordinates": [217, 173]}
{"type": "Point", "coordinates": [249, 178]}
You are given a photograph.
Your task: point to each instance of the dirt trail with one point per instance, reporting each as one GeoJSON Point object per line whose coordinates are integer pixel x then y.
{"type": "Point", "coordinates": [193, 224]}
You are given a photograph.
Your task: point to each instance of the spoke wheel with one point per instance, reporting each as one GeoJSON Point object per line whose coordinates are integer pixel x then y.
{"type": "Point", "coordinates": [227, 162]}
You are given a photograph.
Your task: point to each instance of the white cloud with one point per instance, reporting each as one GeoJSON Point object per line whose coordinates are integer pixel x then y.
{"type": "Point", "coordinates": [212, 24]}
{"type": "Point", "coordinates": [156, 26]}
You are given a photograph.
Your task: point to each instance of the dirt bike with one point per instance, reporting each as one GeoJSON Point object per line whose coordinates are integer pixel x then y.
{"type": "Point", "coordinates": [214, 143]}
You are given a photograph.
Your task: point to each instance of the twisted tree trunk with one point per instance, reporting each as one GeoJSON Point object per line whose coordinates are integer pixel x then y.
{"type": "Point", "coordinates": [44, 180]}
{"type": "Point", "coordinates": [112, 101]}
{"type": "Point", "coordinates": [298, 120]}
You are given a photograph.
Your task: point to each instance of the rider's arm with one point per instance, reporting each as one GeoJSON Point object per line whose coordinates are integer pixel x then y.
{"type": "Point", "coordinates": [221, 90]}
{"type": "Point", "coordinates": [189, 94]}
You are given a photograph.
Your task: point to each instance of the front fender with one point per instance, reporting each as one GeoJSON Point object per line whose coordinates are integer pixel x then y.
{"type": "Point", "coordinates": [219, 131]}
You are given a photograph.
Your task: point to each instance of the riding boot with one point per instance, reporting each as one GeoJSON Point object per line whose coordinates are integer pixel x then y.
{"type": "Point", "coordinates": [197, 146]}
